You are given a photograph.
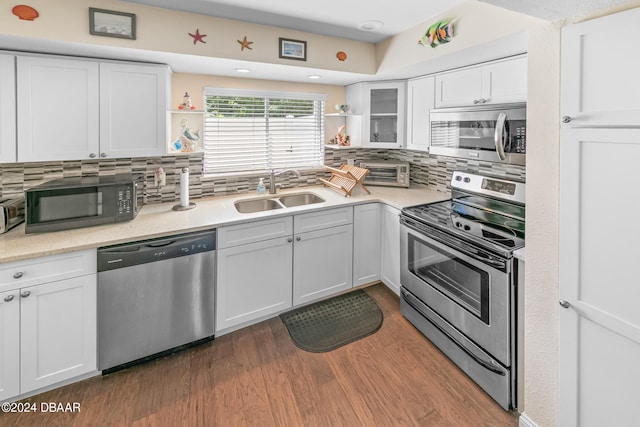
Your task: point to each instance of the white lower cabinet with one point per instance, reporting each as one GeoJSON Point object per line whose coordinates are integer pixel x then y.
{"type": "Point", "coordinates": [265, 267]}
{"type": "Point", "coordinates": [390, 253]}
{"type": "Point", "coordinates": [253, 281]}
{"type": "Point", "coordinates": [366, 243]}
{"type": "Point", "coordinates": [47, 330]}
{"type": "Point", "coordinates": [322, 263]}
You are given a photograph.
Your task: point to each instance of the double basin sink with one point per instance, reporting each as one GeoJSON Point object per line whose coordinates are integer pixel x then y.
{"type": "Point", "coordinates": [277, 202]}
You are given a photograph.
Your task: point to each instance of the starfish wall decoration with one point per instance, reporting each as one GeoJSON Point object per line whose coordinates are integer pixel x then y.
{"type": "Point", "coordinates": [245, 43]}
{"type": "Point", "coordinates": [197, 37]}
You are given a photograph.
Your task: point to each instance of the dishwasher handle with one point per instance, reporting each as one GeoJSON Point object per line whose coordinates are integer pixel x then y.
{"type": "Point", "coordinates": [142, 252]}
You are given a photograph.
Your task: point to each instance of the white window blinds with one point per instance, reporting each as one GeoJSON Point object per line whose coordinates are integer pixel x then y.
{"type": "Point", "coordinates": [248, 130]}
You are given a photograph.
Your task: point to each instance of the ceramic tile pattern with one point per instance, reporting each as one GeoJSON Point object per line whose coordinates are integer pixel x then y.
{"type": "Point", "coordinates": [431, 171]}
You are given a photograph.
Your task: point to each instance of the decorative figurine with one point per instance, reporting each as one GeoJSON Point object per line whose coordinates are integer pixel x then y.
{"type": "Point", "coordinates": [189, 139]}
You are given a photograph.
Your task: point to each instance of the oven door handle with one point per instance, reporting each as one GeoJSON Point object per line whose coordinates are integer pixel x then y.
{"type": "Point", "coordinates": [498, 136]}
{"type": "Point", "coordinates": [446, 240]}
{"type": "Point", "coordinates": [487, 365]}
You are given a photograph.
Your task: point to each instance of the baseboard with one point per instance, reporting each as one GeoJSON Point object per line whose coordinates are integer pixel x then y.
{"type": "Point", "coordinates": [525, 421]}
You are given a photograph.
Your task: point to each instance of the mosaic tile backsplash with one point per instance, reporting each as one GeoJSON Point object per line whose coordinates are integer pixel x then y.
{"type": "Point", "coordinates": [431, 171]}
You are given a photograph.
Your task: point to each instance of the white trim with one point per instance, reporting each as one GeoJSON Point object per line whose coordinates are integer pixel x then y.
{"type": "Point", "coordinates": [525, 421]}
{"type": "Point", "coordinates": [255, 93]}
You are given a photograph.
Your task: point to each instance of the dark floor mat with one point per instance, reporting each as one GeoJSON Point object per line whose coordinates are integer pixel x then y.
{"type": "Point", "coordinates": [332, 323]}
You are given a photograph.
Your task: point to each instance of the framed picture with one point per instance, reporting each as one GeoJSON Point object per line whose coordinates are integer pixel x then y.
{"type": "Point", "coordinates": [110, 23]}
{"type": "Point", "coordinates": [293, 49]}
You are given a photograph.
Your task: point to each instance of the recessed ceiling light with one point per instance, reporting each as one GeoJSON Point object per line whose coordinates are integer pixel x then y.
{"type": "Point", "coordinates": [243, 70]}
{"type": "Point", "coordinates": [313, 76]}
{"type": "Point", "coordinates": [370, 25]}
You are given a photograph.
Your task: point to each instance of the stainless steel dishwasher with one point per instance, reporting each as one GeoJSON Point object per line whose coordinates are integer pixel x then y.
{"type": "Point", "coordinates": [154, 297]}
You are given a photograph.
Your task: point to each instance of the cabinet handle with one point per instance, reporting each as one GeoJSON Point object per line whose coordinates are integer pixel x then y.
{"type": "Point", "coordinates": [566, 119]}
{"type": "Point", "coordinates": [25, 294]}
{"type": "Point", "coordinates": [18, 274]}
{"type": "Point", "coordinates": [564, 304]}
{"type": "Point", "coordinates": [8, 298]}
{"type": "Point", "coordinates": [476, 101]}
{"type": "Point", "coordinates": [103, 155]}
{"type": "Point", "coordinates": [289, 239]}
{"type": "Point", "coordinates": [298, 238]}
{"type": "Point", "coordinates": [92, 155]}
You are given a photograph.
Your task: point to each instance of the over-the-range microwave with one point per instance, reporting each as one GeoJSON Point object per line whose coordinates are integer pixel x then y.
{"type": "Point", "coordinates": [386, 172]}
{"type": "Point", "coordinates": [492, 133]}
{"type": "Point", "coordinates": [76, 202]}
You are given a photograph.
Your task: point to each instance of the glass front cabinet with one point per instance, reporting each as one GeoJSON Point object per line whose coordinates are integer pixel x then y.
{"type": "Point", "coordinates": [381, 109]}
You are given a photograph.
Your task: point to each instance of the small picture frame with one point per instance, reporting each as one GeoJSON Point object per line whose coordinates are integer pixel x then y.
{"type": "Point", "coordinates": [293, 49]}
{"type": "Point", "coordinates": [110, 23]}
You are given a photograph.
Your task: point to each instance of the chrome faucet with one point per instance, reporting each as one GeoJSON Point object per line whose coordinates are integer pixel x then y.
{"type": "Point", "coordinates": [272, 178]}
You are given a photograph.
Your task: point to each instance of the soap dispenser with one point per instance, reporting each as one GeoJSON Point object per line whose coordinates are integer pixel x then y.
{"type": "Point", "coordinates": [261, 189]}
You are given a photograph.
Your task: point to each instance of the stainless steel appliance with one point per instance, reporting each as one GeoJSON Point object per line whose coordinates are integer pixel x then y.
{"type": "Point", "coordinates": [76, 202]}
{"type": "Point", "coordinates": [154, 297]}
{"type": "Point", "coordinates": [11, 213]}
{"type": "Point", "coordinates": [386, 172]}
{"type": "Point", "coordinates": [489, 133]}
{"type": "Point", "coordinates": [458, 277]}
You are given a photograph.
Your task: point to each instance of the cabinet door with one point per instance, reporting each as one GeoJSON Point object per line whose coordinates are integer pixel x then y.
{"type": "Point", "coordinates": [9, 344]}
{"type": "Point", "coordinates": [7, 109]}
{"type": "Point", "coordinates": [58, 107]}
{"type": "Point", "coordinates": [420, 101]}
{"type": "Point", "coordinates": [384, 112]}
{"type": "Point", "coordinates": [366, 243]}
{"type": "Point", "coordinates": [133, 110]}
{"type": "Point", "coordinates": [600, 84]}
{"type": "Point", "coordinates": [459, 88]}
{"type": "Point", "coordinates": [253, 281]}
{"type": "Point", "coordinates": [599, 320]}
{"type": "Point", "coordinates": [322, 263]}
{"type": "Point", "coordinates": [390, 259]}
{"type": "Point", "coordinates": [505, 81]}
{"type": "Point", "coordinates": [58, 331]}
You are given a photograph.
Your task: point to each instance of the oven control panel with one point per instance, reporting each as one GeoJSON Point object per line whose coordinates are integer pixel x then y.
{"type": "Point", "coordinates": [503, 189]}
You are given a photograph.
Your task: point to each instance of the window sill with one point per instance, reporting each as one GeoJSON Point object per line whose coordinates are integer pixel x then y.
{"type": "Point", "coordinates": [263, 173]}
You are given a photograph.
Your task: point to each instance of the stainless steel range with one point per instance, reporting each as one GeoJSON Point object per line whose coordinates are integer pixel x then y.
{"type": "Point", "coordinates": [458, 277]}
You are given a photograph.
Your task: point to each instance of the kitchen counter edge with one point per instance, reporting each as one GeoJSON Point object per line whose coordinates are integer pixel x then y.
{"type": "Point", "coordinates": [159, 220]}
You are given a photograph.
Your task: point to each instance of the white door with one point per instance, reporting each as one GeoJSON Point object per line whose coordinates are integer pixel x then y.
{"type": "Point", "coordinates": [7, 109]}
{"type": "Point", "coordinates": [133, 110]}
{"type": "Point", "coordinates": [384, 112]}
{"type": "Point", "coordinates": [420, 101]}
{"type": "Point", "coordinates": [366, 243]}
{"type": "Point", "coordinates": [9, 344]}
{"type": "Point", "coordinates": [599, 315]}
{"type": "Point", "coordinates": [390, 254]}
{"type": "Point", "coordinates": [322, 263]}
{"type": "Point", "coordinates": [58, 331]}
{"type": "Point", "coordinates": [600, 84]}
{"type": "Point", "coordinates": [58, 106]}
{"type": "Point", "coordinates": [253, 281]}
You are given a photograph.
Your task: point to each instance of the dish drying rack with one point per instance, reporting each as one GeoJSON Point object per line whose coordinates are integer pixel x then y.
{"type": "Point", "coordinates": [346, 178]}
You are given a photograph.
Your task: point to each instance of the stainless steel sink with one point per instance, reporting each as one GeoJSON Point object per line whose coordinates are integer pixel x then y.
{"type": "Point", "coordinates": [277, 202]}
{"type": "Point", "coordinates": [300, 199]}
{"type": "Point", "coordinates": [257, 205]}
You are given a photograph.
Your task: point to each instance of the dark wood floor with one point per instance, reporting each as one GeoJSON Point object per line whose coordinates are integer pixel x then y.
{"type": "Point", "coordinates": [258, 377]}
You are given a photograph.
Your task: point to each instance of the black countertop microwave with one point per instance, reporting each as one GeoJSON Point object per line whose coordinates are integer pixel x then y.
{"type": "Point", "coordinates": [76, 202]}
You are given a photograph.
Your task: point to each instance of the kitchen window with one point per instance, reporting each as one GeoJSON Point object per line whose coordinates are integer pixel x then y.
{"type": "Point", "coordinates": [255, 131]}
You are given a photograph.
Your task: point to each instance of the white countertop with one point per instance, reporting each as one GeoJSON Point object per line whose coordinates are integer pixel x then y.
{"type": "Point", "coordinates": [158, 220]}
{"type": "Point", "coordinates": [519, 254]}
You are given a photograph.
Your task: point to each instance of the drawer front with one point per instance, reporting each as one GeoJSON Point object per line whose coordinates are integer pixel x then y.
{"type": "Point", "coordinates": [322, 219]}
{"type": "Point", "coordinates": [255, 231]}
{"type": "Point", "coordinates": [20, 274]}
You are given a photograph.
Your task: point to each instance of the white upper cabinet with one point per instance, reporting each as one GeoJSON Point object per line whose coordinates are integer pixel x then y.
{"type": "Point", "coordinates": [80, 109]}
{"type": "Point", "coordinates": [7, 109]}
{"type": "Point", "coordinates": [600, 72]}
{"type": "Point", "coordinates": [379, 110]}
{"type": "Point", "coordinates": [497, 82]}
{"type": "Point", "coordinates": [57, 108]}
{"type": "Point", "coordinates": [420, 101]}
{"type": "Point", "coordinates": [133, 109]}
